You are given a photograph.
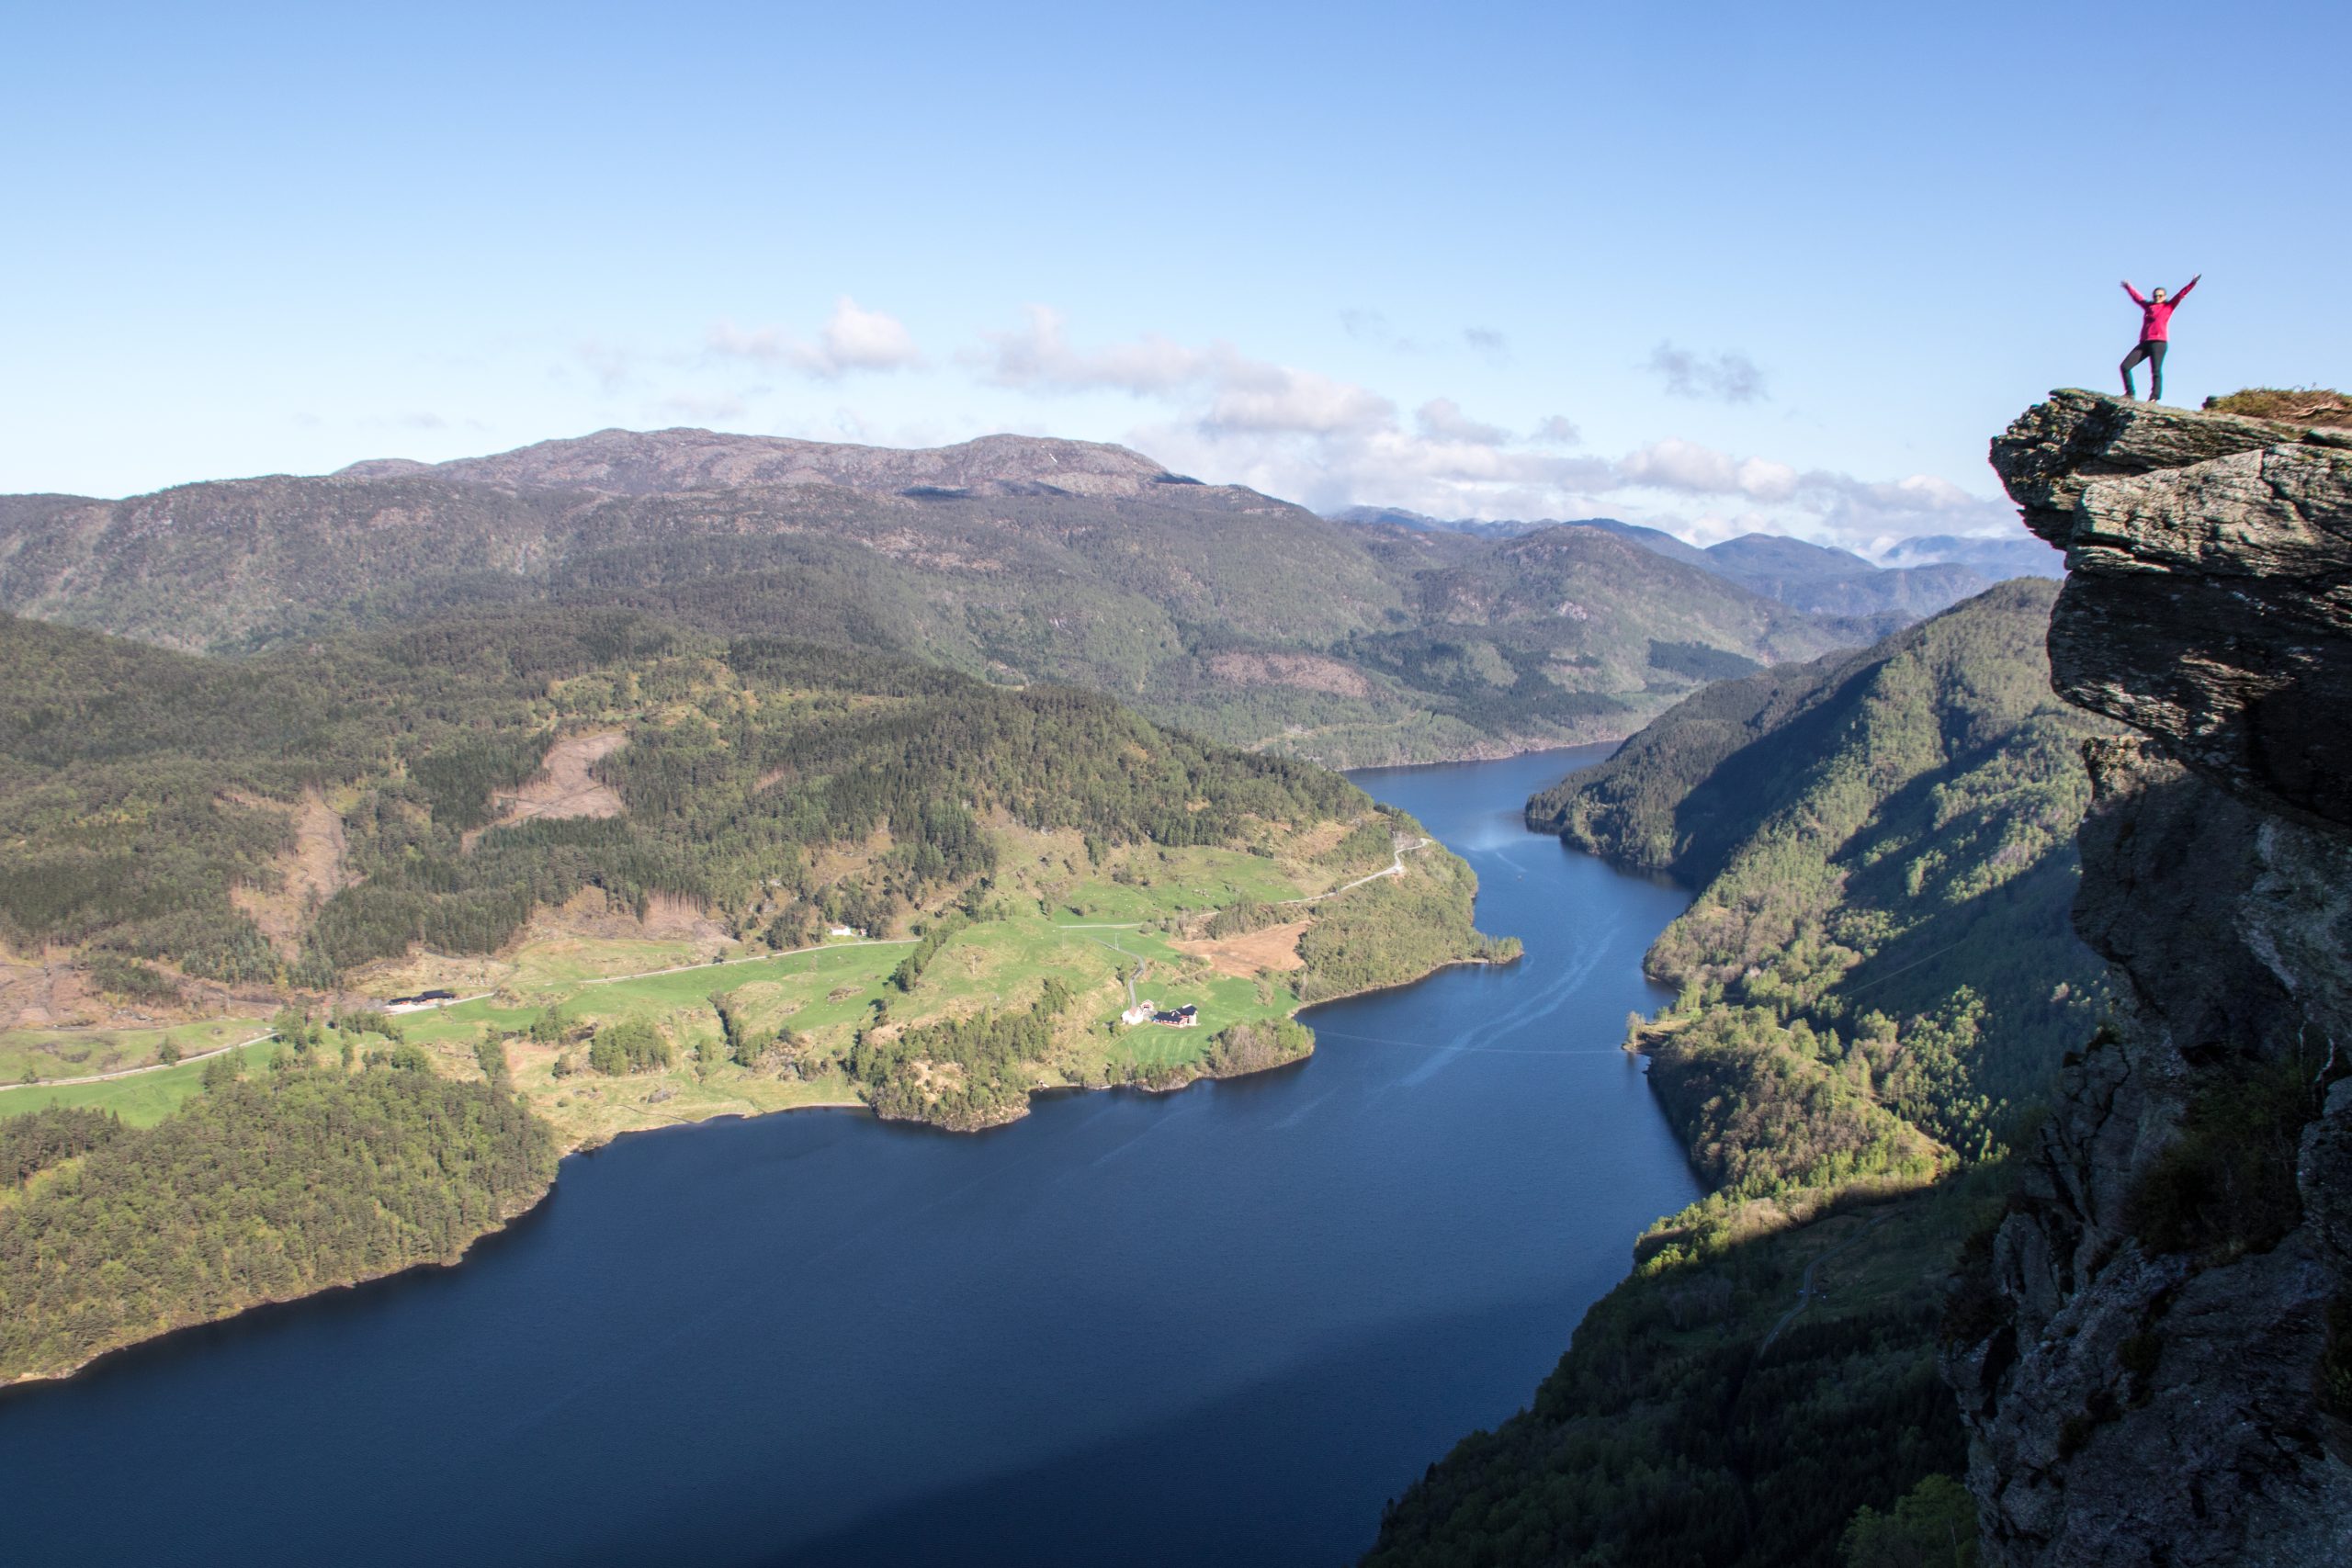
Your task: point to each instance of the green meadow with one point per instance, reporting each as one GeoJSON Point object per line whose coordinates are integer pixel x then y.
{"type": "Point", "coordinates": [1066, 918]}
{"type": "Point", "coordinates": [143, 1097]}
{"type": "Point", "coordinates": [74, 1053]}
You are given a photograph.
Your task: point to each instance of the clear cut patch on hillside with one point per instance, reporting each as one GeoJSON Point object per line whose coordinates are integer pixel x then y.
{"type": "Point", "coordinates": [311, 871]}
{"type": "Point", "coordinates": [564, 785]}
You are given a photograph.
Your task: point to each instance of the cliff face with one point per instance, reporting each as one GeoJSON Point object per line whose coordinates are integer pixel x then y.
{"type": "Point", "coordinates": [2164, 1372]}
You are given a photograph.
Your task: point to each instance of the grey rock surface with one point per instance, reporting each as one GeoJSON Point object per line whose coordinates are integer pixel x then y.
{"type": "Point", "coordinates": [2057, 449]}
{"type": "Point", "coordinates": [2208, 588]}
{"type": "Point", "coordinates": [2144, 1397]}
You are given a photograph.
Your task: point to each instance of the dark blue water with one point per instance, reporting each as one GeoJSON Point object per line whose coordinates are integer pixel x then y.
{"type": "Point", "coordinates": [1216, 1326]}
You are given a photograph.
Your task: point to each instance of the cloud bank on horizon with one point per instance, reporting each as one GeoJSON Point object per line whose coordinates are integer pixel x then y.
{"type": "Point", "coordinates": [1215, 412]}
{"type": "Point", "coordinates": [1710, 269]}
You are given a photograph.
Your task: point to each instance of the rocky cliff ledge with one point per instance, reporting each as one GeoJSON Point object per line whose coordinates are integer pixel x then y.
{"type": "Point", "coordinates": [2162, 1369]}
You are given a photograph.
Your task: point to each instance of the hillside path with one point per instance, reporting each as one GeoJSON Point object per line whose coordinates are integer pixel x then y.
{"type": "Point", "coordinates": [1804, 1283]}
{"type": "Point", "coordinates": [1394, 868]}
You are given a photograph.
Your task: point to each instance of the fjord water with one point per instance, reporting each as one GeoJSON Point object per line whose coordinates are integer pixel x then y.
{"type": "Point", "coordinates": [1218, 1326]}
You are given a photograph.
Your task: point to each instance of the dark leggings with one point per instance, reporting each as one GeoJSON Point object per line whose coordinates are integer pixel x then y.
{"type": "Point", "coordinates": [2153, 351]}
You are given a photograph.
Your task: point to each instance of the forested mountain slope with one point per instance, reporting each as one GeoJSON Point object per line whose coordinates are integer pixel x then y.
{"type": "Point", "coordinates": [1878, 982]}
{"type": "Point", "coordinates": [161, 812]}
{"type": "Point", "coordinates": [679, 877]}
{"type": "Point", "coordinates": [1242, 618]}
{"type": "Point", "coordinates": [143, 787]}
{"type": "Point", "coordinates": [1885, 848]}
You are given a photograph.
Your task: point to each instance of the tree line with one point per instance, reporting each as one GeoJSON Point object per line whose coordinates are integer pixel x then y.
{"type": "Point", "coordinates": [142, 788]}
{"type": "Point", "coordinates": [253, 1192]}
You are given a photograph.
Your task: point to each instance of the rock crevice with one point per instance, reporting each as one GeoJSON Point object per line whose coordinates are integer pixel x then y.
{"type": "Point", "coordinates": [2165, 1380]}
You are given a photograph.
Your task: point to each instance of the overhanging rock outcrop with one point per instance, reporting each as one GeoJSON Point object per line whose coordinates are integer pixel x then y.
{"type": "Point", "coordinates": [2161, 1373]}
{"type": "Point", "coordinates": [2209, 597]}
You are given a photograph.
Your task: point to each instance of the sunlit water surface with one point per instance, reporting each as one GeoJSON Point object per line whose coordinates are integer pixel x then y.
{"type": "Point", "coordinates": [1221, 1326]}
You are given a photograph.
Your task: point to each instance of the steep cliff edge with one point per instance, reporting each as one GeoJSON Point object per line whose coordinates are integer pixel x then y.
{"type": "Point", "coordinates": [2161, 1369]}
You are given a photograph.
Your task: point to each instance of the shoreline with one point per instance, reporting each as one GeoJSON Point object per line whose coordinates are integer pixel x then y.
{"type": "Point", "coordinates": [1502, 755]}
{"type": "Point", "coordinates": [8, 1386]}
{"type": "Point", "coordinates": [1180, 1078]}
{"type": "Point", "coordinates": [583, 1150]}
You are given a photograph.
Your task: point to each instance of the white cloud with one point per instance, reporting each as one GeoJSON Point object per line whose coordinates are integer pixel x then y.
{"type": "Point", "coordinates": [1310, 438]}
{"type": "Point", "coordinates": [1816, 503]}
{"type": "Point", "coordinates": [713, 407]}
{"type": "Point", "coordinates": [1689, 489]}
{"type": "Point", "coordinates": [1386, 464]}
{"type": "Point", "coordinates": [1872, 515]}
{"type": "Point", "coordinates": [1675, 464]}
{"type": "Point", "coordinates": [1729, 376]}
{"type": "Point", "coordinates": [1040, 357]}
{"type": "Point", "coordinates": [612, 366]}
{"type": "Point", "coordinates": [1442, 419]}
{"type": "Point", "coordinates": [853, 338]}
{"type": "Point", "coordinates": [1488, 341]}
{"type": "Point", "coordinates": [1273, 397]}
{"type": "Point", "coordinates": [1242, 394]}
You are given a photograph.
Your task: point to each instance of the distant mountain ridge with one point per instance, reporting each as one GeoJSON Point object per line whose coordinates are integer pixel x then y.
{"type": "Point", "coordinates": [1834, 581]}
{"type": "Point", "coordinates": [655, 462]}
{"type": "Point", "coordinates": [1402, 517]}
{"type": "Point", "coordinates": [1919, 577]}
{"type": "Point", "coordinates": [1021, 559]}
{"type": "Point", "coordinates": [2021, 555]}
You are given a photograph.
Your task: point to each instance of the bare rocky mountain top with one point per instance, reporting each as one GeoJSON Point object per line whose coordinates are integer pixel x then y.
{"type": "Point", "coordinates": [654, 462]}
{"type": "Point", "coordinates": [2166, 1373]}
{"type": "Point", "coordinates": [1211, 607]}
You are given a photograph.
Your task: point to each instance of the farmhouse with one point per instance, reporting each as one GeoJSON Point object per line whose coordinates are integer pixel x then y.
{"type": "Point", "coordinates": [422, 1000]}
{"type": "Point", "coordinates": [1149, 1012]}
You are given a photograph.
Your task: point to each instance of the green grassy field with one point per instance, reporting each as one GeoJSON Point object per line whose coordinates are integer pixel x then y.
{"type": "Point", "coordinates": [1180, 882]}
{"type": "Point", "coordinates": [1081, 923]}
{"type": "Point", "coordinates": [141, 1100]}
{"type": "Point", "coordinates": [823, 996]}
{"type": "Point", "coordinates": [808, 979]}
{"type": "Point", "coordinates": [79, 1052]}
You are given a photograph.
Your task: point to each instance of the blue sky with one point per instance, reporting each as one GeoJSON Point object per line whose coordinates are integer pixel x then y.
{"type": "Point", "coordinates": [1712, 267]}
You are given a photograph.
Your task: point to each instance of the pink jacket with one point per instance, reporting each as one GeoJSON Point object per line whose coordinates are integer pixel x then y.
{"type": "Point", "coordinates": [2155, 319]}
